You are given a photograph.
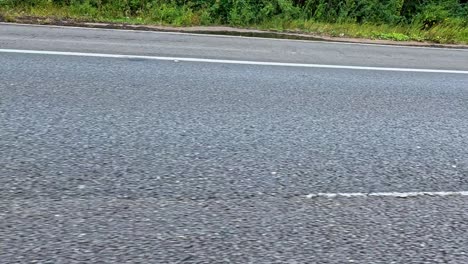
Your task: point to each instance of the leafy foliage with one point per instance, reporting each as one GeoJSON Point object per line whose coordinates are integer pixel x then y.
{"type": "Point", "coordinates": [245, 12]}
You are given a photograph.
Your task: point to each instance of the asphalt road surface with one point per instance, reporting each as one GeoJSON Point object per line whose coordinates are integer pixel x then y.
{"type": "Point", "coordinates": [133, 160]}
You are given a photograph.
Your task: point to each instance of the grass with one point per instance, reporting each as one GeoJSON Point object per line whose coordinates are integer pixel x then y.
{"type": "Point", "coordinates": [445, 34]}
{"type": "Point", "coordinates": [451, 30]}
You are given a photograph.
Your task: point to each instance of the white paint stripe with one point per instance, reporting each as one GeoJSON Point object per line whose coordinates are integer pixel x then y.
{"type": "Point", "coordinates": [233, 36]}
{"type": "Point", "coordinates": [262, 63]}
{"type": "Point", "coordinates": [386, 194]}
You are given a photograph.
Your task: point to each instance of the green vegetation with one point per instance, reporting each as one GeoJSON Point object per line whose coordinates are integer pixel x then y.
{"type": "Point", "coordinates": [441, 21]}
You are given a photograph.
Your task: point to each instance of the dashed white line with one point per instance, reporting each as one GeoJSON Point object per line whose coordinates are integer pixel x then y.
{"type": "Point", "coordinates": [261, 63]}
{"type": "Point", "coordinates": [386, 194]}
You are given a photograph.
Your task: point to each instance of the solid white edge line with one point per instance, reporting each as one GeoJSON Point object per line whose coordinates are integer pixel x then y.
{"type": "Point", "coordinates": [385, 194]}
{"type": "Point", "coordinates": [231, 36]}
{"type": "Point", "coordinates": [262, 63]}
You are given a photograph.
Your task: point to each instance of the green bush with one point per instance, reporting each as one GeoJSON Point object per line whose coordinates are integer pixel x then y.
{"type": "Point", "coordinates": [425, 14]}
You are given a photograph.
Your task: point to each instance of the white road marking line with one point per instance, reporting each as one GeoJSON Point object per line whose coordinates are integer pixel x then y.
{"type": "Point", "coordinates": [262, 63]}
{"type": "Point", "coordinates": [386, 194]}
{"type": "Point", "coordinates": [233, 36]}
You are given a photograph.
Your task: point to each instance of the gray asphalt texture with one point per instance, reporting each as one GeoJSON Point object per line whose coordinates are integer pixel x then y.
{"type": "Point", "coordinates": [222, 47]}
{"type": "Point", "coordinates": [138, 161]}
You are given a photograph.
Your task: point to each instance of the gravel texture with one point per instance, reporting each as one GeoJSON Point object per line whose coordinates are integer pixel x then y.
{"type": "Point", "coordinates": [115, 160]}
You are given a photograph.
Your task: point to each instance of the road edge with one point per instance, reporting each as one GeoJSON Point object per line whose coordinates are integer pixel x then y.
{"type": "Point", "coordinates": [226, 31]}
